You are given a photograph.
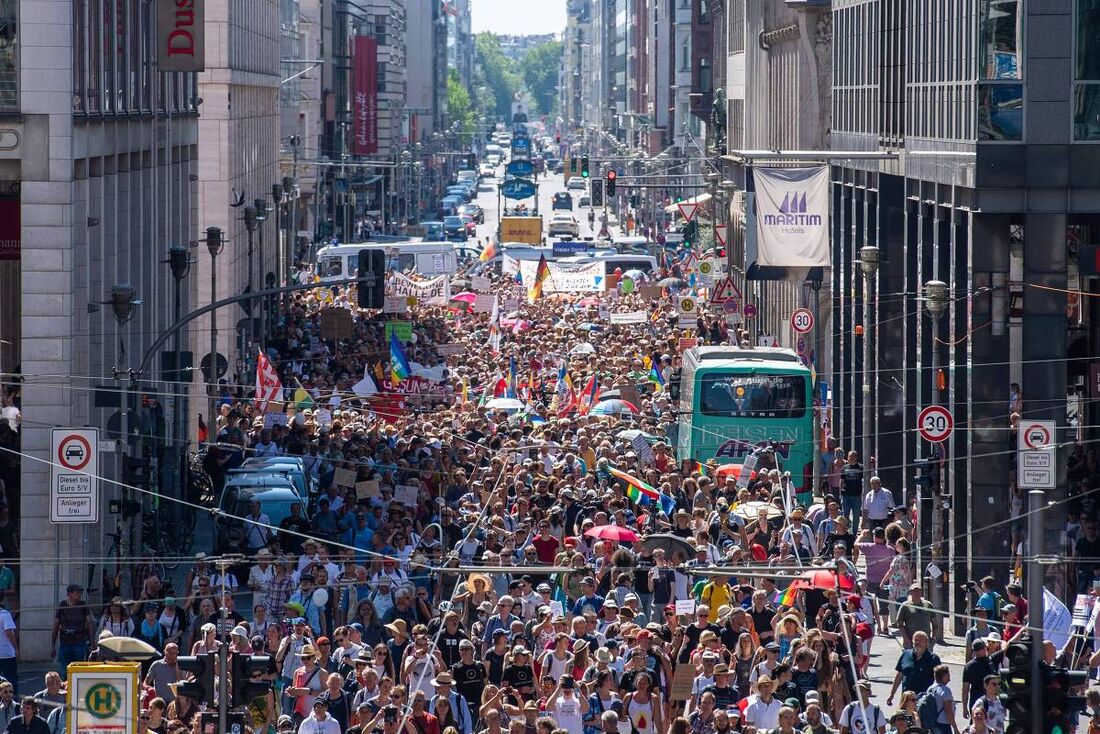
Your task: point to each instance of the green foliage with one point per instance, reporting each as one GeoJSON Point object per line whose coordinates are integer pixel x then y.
{"type": "Point", "coordinates": [495, 79]}
{"type": "Point", "coordinates": [539, 68]}
{"type": "Point", "coordinates": [458, 103]}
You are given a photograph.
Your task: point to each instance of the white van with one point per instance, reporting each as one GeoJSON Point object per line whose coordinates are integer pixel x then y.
{"type": "Point", "coordinates": [645, 263]}
{"type": "Point", "coordinates": [337, 262]}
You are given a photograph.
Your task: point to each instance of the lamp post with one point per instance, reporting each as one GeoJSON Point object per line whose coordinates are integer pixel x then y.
{"type": "Point", "coordinates": [214, 245]}
{"type": "Point", "coordinates": [122, 304]}
{"type": "Point", "coordinates": [179, 261]}
{"type": "Point", "coordinates": [935, 303]}
{"type": "Point", "coordinates": [868, 263]}
{"type": "Point", "coordinates": [262, 208]}
{"type": "Point", "coordinates": [290, 196]}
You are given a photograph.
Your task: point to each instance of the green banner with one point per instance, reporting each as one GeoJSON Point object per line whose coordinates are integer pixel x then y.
{"type": "Point", "coordinates": [403, 329]}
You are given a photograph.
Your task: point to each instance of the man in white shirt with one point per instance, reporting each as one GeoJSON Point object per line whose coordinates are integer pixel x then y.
{"type": "Point", "coordinates": [260, 575]}
{"type": "Point", "coordinates": [809, 542]}
{"type": "Point", "coordinates": [763, 710]}
{"type": "Point", "coordinates": [319, 721]}
{"type": "Point", "coordinates": [852, 719]}
{"type": "Point", "coordinates": [878, 504]}
{"type": "Point", "coordinates": [257, 528]}
{"type": "Point", "coordinates": [9, 646]}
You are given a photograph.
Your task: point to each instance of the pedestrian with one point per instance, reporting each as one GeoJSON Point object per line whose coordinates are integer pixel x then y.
{"type": "Point", "coordinates": [72, 628]}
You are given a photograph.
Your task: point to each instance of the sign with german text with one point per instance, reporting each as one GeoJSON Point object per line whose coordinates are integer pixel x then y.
{"type": "Point", "coordinates": [74, 485]}
{"type": "Point", "coordinates": [364, 103]}
{"type": "Point", "coordinates": [181, 41]}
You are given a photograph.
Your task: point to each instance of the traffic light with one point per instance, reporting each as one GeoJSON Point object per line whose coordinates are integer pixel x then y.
{"type": "Point", "coordinates": [585, 173]}
{"type": "Point", "coordinates": [691, 233]}
{"type": "Point", "coordinates": [1060, 710]}
{"type": "Point", "coordinates": [597, 193]}
{"type": "Point", "coordinates": [372, 278]}
{"type": "Point", "coordinates": [201, 689]}
{"type": "Point", "coordinates": [245, 690]}
{"type": "Point", "coordinates": [611, 176]}
{"type": "Point", "coordinates": [927, 477]}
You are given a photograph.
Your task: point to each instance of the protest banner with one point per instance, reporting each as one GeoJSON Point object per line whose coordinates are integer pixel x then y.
{"type": "Point", "coordinates": [345, 478]}
{"type": "Point", "coordinates": [436, 291]}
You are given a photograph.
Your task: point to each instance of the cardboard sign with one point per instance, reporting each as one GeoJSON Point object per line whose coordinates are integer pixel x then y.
{"type": "Point", "coordinates": [747, 467]}
{"type": "Point", "coordinates": [406, 494]}
{"type": "Point", "coordinates": [447, 350]}
{"type": "Point", "coordinates": [484, 303]}
{"type": "Point", "coordinates": [681, 682]}
{"type": "Point", "coordinates": [370, 488]}
{"type": "Point", "coordinates": [643, 449]}
{"type": "Point", "coordinates": [556, 609]}
{"type": "Point", "coordinates": [345, 477]}
{"type": "Point", "coordinates": [651, 292]}
{"type": "Point", "coordinates": [275, 419]}
{"type": "Point", "coordinates": [629, 393]}
{"type": "Point", "coordinates": [481, 284]}
{"type": "Point", "coordinates": [511, 304]}
{"type": "Point", "coordinates": [395, 304]}
{"type": "Point", "coordinates": [336, 323]}
{"type": "Point", "coordinates": [685, 606]}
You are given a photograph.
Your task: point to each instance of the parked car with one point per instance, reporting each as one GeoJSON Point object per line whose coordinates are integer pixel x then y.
{"type": "Point", "coordinates": [274, 491]}
{"type": "Point", "coordinates": [474, 210]}
{"type": "Point", "coordinates": [584, 201]}
{"type": "Point", "coordinates": [454, 228]}
{"type": "Point", "coordinates": [562, 200]}
{"type": "Point", "coordinates": [563, 224]}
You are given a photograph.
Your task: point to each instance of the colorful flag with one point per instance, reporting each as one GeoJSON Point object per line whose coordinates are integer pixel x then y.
{"type": "Point", "coordinates": [788, 597]}
{"type": "Point", "coordinates": [588, 396]}
{"type": "Point", "coordinates": [494, 326]}
{"type": "Point", "coordinates": [542, 274]}
{"type": "Point", "coordinates": [302, 399]}
{"type": "Point", "coordinates": [489, 252]}
{"type": "Point", "coordinates": [657, 378]}
{"type": "Point", "coordinates": [399, 363]}
{"type": "Point", "coordinates": [636, 489]}
{"type": "Point", "coordinates": [268, 386]}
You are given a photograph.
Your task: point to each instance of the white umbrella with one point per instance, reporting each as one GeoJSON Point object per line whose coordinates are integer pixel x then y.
{"type": "Point", "coordinates": [583, 348]}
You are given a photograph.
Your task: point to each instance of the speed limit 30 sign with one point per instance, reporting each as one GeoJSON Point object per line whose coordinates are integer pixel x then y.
{"type": "Point", "coordinates": [802, 321]}
{"type": "Point", "coordinates": [935, 423]}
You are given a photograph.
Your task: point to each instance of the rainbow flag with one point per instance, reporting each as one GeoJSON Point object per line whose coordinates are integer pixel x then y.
{"type": "Point", "coordinates": [657, 378]}
{"type": "Point", "coordinates": [789, 595]}
{"type": "Point", "coordinates": [489, 252]}
{"type": "Point", "coordinates": [641, 493]}
{"type": "Point", "coordinates": [399, 363]}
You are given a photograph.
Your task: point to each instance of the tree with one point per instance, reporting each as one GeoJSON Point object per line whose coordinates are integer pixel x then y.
{"type": "Point", "coordinates": [458, 103]}
{"type": "Point", "coordinates": [539, 68]}
{"type": "Point", "coordinates": [495, 71]}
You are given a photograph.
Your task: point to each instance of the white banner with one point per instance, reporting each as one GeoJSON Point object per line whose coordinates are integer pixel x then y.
{"type": "Point", "coordinates": [435, 291]}
{"type": "Point", "coordinates": [792, 216]}
{"type": "Point", "coordinates": [630, 317]}
{"type": "Point", "coordinates": [566, 278]}
{"type": "Point", "coordinates": [509, 265]}
{"type": "Point", "coordinates": [1056, 620]}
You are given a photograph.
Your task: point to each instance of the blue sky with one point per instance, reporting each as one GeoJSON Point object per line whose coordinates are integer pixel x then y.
{"type": "Point", "coordinates": [520, 17]}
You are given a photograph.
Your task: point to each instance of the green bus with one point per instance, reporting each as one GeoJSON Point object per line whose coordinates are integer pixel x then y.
{"type": "Point", "coordinates": [734, 401]}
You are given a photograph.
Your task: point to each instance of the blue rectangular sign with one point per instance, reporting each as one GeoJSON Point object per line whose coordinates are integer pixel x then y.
{"type": "Point", "coordinates": [564, 249]}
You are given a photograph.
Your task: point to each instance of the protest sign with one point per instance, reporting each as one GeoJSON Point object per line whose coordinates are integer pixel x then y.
{"type": "Point", "coordinates": [436, 291]}
{"type": "Point", "coordinates": [630, 317]}
{"type": "Point", "coordinates": [274, 419]}
{"type": "Point", "coordinates": [403, 329]}
{"type": "Point", "coordinates": [406, 494]}
{"type": "Point", "coordinates": [585, 278]}
{"type": "Point", "coordinates": [643, 449]}
{"type": "Point", "coordinates": [336, 323]}
{"type": "Point", "coordinates": [367, 489]}
{"type": "Point", "coordinates": [395, 304]}
{"type": "Point", "coordinates": [345, 477]}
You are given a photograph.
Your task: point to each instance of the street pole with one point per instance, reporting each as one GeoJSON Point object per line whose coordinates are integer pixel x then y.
{"type": "Point", "coordinates": [223, 652]}
{"type": "Point", "coordinates": [214, 246]}
{"type": "Point", "coordinates": [290, 190]}
{"type": "Point", "coordinates": [868, 262]}
{"type": "Point", "coordinates": [935, 302]}
{"type": "Point", "coordinates": [261, 307]}
{"type": "Point", "coordinates": [179, 260]}
{"type": "Point", "coordinates": [815, 285]}
{"type": "Point", "coordinates": [1035, 545]}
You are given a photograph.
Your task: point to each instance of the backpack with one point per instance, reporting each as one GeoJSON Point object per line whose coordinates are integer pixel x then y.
{"type": "Point", "coordinates": [928, 708]}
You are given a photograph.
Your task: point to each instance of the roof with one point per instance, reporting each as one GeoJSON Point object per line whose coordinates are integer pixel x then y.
{"type": "Point", "coordinates": [766, 358]}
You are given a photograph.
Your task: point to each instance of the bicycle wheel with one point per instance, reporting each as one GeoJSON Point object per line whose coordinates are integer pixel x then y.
{"type": "Point", "coordinates": [182, 536]}
{"type": "Point", "coordinates": [168, 550]}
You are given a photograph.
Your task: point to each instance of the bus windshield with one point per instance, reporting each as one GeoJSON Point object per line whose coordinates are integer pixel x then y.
{"type": "Point", "coordinates": [752, 396]}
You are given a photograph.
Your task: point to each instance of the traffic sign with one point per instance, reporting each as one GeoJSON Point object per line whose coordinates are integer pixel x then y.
{"type": "Point", "coordinates": [935, 423]}
{"type": "Point", "coordinates": [74, 478]}
{"type": "Point", "coordinates": [720, 234]}
{"type": "Point", "coordinates": [750, 310]}
{"type": "Point", "coordinates": [725, 291]}
{"type": "Point", "coordinates": [688, 209]}
{"type": "Point", "coordinates": [685, 305]}
{"type": "Point", "coordinates": [1037, 459]}
{"type": "Point", "coordinates": [802, 321]}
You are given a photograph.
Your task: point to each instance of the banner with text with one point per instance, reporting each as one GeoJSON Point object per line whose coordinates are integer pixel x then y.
{"type": "Point", "coordinates": [792, 216]}
{"type": "Point", "coordinates": [181, 39]}
{"type": "Point", "coordinates": [364, 104]}
{"type": "Point", "coordinates": [436, 291]}
{"type": "Point", "coordinates": [588, 278]}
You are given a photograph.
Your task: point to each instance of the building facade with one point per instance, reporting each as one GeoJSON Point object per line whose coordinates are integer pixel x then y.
{"type": "Point", "coordinates": [98, 152]}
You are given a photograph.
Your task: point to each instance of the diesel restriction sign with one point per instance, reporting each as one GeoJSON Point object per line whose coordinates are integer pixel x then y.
{"type": "Point", "coordinates": [74, 475]}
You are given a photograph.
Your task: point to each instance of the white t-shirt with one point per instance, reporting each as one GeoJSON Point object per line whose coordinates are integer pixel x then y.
{"type": "Point", "coordinates": [852, 717]}
{"type": "Point", "coordinates": [567, 712]}
{"type": "Point", "coordinates": [763, 715]}
{"type": "Point", "coordinates": [7, 650]}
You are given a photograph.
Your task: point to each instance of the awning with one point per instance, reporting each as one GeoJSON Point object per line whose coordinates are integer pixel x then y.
{"type": "Point", "coordinates": [700, 199]}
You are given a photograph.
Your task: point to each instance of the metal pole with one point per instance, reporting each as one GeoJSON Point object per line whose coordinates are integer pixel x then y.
{"type": "Point", "coordinates": [936, 510]}
{"type": "Point", "coordinates": [212, 387]}
{"type": "Point", "coordinates": [1035, 502]}
{"type": "Point", "coordinates": [179, 420]}
{"type": "Point", "coordinates": [261, 307]}
{"type": "Point", "coordinates": [816, 286]}
{"type": "Point", "coordinates": [865, 440]}
{"type": "Point", "coordinates": [223, 658]}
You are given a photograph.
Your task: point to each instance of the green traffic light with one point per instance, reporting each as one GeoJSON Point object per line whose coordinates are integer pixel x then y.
{"type": "Point", "coordinates": [1057, 729]}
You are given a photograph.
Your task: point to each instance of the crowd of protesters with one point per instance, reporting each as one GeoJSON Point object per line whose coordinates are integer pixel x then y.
{"type": "Point", "coordinates": [526, 586]}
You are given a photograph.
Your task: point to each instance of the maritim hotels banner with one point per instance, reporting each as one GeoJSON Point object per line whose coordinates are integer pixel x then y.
{"type": "Point", "coordinates": [792, 216]}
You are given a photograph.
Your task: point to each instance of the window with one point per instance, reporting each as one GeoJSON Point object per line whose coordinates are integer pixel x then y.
{"type": "Point", "coordinates": [1000, 39]}
{"type": "Point", "coordinates": [753, 396]}
{"type": "Point", "coordinates": [9, 59]}
{"type": "Point", "coordinates": [1086, 92]}
{"type": "Point", "coordinates": [1001, 112]}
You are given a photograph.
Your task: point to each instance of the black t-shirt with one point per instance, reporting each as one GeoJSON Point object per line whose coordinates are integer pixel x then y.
{"type": "Point", "coordinates": [974, 673]}
{"type": "Point", "coordinates": [469, 682]}
{"type": "Point", "coordinates": [805, 681]}
{"type": "Point", "coordinates": [762, 621]}
{"type": "Point", "coordinates": [851, 479]}
{"type": "Point", "coordinates": [448, 646]}
{"type": "Point", "coordinates": [72, 623]}
{"type": "Point", "coordinates": [496, 667]}
{"type": "Point", "coordinates": [692, 633]}
{"type": "Point", "coordinates": [519, 676]}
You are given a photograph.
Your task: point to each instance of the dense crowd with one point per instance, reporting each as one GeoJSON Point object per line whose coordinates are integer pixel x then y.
{"type": "Point", "coordinates": [549, 574]}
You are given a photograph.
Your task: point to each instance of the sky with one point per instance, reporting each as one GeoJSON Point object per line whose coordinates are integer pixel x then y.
{"type": "Point", "coordinates": [518, 17]}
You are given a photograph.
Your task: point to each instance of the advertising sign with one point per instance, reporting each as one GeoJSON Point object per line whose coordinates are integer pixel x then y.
{"type": "Point", "coordinates": [74, 475]}
{"type": "Point", "coordinates": [102, 698]}
{"type": "Point", "coordinates": [792, 216]}
{"type": "Point", "coordinates": [181, 44]}
{"type": "Point", "coordinates": [521, 229]}
{"type": "Point", "coordinates": [364, 104]}
{"type": "Point", "coordinates": [517, 188]}
{"type": "Point", "coordinates": [565, 249]}
{"type": "Point", "coordinates": [11, 232]}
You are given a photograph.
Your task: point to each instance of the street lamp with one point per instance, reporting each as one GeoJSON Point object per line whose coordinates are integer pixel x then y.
{"type": "Point", "coordinates": [262, 208]}
{"type": "Point", "coordinates": [179, 261]}
{"type": "Point", "coordinates": [868, 264]}
{"type": "Point", "coordinates": [214, 245]}
{"type": "Point", "coordinates": [935, 303]}
{"type": "Point", "coordinates": [122, 304]}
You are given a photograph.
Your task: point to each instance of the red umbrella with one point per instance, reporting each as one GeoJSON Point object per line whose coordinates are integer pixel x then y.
{"type": "Point", "coordinates": [611, 532]}
{"type": "Point", "coordinates": [826, 578]}
{"type": "Point", "coordinates": [733, 470]}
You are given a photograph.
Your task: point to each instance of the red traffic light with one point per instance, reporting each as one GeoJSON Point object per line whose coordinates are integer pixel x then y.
{"type": "Point", "coordinates": [611, 175]}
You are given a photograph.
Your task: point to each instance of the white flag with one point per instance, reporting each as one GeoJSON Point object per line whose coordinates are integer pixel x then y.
{"type": "Point", "coordinates": [365, 387]}
{"type": "Point", "coordinates": [1056, 620]}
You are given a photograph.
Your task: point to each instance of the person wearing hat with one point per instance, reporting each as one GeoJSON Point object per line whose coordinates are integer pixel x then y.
{"type": "Point", "coordinates": [460, 709]}
{"type": "Point", "coordinates": [974, 673]}
{"type": "Point", "coordinates": [798, 530]}
{"type": "Point", "coordinates": [725, 693]}
{"type": "Point", "coordinates": [285, 725]}
{"type": "Point", "coordinates": [852, 719]}
{"type": "Point", "coordinates": [318, 720]}
{"type": "Point", "coordinates": [763, 713]}
{"type": "Point", "coordinates": [900, 722]}
{"type": "Point", "coordinates": [307, 683]}
{"type": "Point", "coordinates": [73, 628]}
{"type": "Point", "coordinates": [588, 597]}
